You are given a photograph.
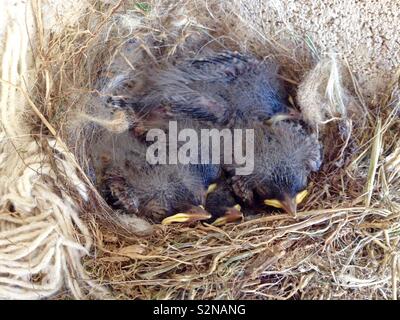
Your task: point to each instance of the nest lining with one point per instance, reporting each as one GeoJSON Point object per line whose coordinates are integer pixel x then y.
{"type": "Point", "coordinates": [344, 243]}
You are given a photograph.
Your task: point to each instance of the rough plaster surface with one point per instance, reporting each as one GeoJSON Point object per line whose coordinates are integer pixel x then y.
{"type": "Point", "coordinates": [365, 32]}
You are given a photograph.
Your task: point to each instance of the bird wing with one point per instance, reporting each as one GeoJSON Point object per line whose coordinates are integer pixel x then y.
{"type": "Point", "coordinates": [249, 88]}
{"type": "Point", "coordinates": [120, 192]}
{"type": "Point", "coordinates": [224, 66]}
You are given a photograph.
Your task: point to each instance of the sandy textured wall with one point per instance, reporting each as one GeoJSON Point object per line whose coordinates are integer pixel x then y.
{"type": "Point", "coordinates": [366, 32]}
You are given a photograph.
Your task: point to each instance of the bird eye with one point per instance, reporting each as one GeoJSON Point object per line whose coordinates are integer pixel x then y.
{"type": "Point", "coordinates": [301, 196]}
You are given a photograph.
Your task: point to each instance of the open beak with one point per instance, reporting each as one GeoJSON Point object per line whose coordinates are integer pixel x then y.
{"type": "Point", "coordinates": [194, 214]}
{"type": "Point", "coordinates": [231, 215]}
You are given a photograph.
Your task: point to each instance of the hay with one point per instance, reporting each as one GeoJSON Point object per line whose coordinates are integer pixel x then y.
{"type": "Point", "coordinates": [343, 245]}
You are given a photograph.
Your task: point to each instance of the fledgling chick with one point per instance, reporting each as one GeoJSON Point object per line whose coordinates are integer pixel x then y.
{"type": "Point", "coordinates": [223, 88]}
{"type": "Point", "coordinates": [284, 156]}
{"type": "Point", "coordinates": [232, 90]}
{"type": "Point", "coordinates": [162, 193]}
{"type": "Point", "coordinates": [221, 203]}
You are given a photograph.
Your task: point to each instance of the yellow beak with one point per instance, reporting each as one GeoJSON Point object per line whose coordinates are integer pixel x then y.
{"type": "Point", "coordinates": [301, 196]}
{"type": "Point", "coordinates": [197, 214]}
{"type": "Point", "coordinates": [231, 215]}
{"type": "Point", "coordinates": [288, 204]}
{"type": "Point", "coordinates": [211, 188]}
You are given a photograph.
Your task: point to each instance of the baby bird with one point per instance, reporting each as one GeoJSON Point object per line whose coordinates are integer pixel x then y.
{"type": "Point", "coordinates": [221, 203]}
{"type": "Point", "coordinates": [233, 90]}
{"type": "Point", "coordinates": [284, 156]}
{"type": "Point", "coordinates": [223, 88]}
{"type": "Point", "coordinates": [161, 193]}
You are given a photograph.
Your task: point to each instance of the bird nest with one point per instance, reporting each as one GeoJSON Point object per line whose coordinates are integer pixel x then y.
{"type": "Point", "coordinates": [344, 242]}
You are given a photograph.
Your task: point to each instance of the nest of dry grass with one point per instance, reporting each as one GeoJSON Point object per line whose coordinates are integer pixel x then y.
{"type": "Point", "coordinates": [344, 244]}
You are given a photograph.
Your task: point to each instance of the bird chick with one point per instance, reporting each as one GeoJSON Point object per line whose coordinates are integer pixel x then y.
{"type": "Point", "coordinates": [284, 156]}
{"type": "Point", "coordinates": [221, 203]}
{"type": "Point", "coordinates": [162, 193]}
{"type": "Point", "coordinates": [223, 88]}
{"type": "Point", "coordinates": [232, 90]}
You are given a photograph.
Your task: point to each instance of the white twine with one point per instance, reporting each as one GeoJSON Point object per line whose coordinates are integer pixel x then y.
{"type": "Point", "coordinates": [42, 238]}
